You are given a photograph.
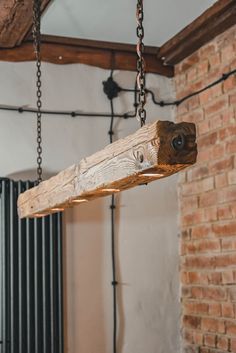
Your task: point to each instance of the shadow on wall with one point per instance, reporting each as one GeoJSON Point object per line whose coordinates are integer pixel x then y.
{"type": "Point", "coordinates": [87, 278]}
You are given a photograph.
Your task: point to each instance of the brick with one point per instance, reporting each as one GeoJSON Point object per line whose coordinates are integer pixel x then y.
{"type": "Point", "coordinates": [215, 309]}
{"type": "Point", "coordinates": [200, 262]}
{"type": "Point", "coordinates": [186, 292]}
{"type": "Point", "coordinates": [190, 349]}
{"type": "Point", "coordinates": [194, 116]}
{"type": "Point", "coordinates": [208, 50]}
{"type": "Point", "coordinates": [224, 212]}
{"type": "Point", "coordinates": [230, 327]}
{"type": "Point", "coordinates": [228, 244]}
{"type": "Point", "coordinates": [228, 117]}
{"type": "Point", "coordinates": [192, 74]}
{"type": "Point", "coordinates": [197, 278]}
{"type": "Point", "coordinates": [203, 350]}
{"type": "Point", "coordinates": [180, 80]}
{"type": "Point", "coordinates": [223, 343]}
{"type": "Point", "coordinates": [227, 310]}
{"type": "Point", "coordinates": [193, 322]}
{"type": "Point", "coordinates": [228, 277]}
{"type": "Point", "coordinates": [232, 294]}
{"type": "Point", "coordinates": [196, 292]}
{"type": "Point", "coordinates": [227, 194]}
{"type": "Point", "coordinates": [196, 308]}
{"type": "Point", "coordinates": [210, 340]}
{"type": "Point", "coordinates": [197, 172]}
{"type": "Point", "coordinates": [197, 338]}
{"type": "Point", "coordinates": [229, 84]}
{"type": "Point", "coordinates": [233, 208]}
{"type": "Point", "coordinates": [214, 60]}
{"type": "Point", "coordinates": [222, 165]}
{"type": "Point", "coordinates": [203, 246]}
{"type": "Point", "coordinates": [227, 260]}
{"type": "Point", "coordinates": [208, 199]}
{"type": "Point", "coordinates": [205, 97]}
{"type": "Point", "coordinates": [232, 99]}
{"type": "Point", "coordinates": [215, 122]}
{"type": "Point", "coordinates": [232, 177]}
{"type": "Point", "coordinates": [187, 336]}
{"type": "Point", "coordinates": [189, 62]}
{"type": "Point", "coordinates": [189, 203]}
{"type": "Point", "coordinates": [207, 140]}
{"type": "Point", "coordinates": [233, 345]}
{"type": "Point", "coordinates": [194, 102]}
{"type": "Point", "coordinates": [227, 132]}
{"type": "Point", "coordinates": [210, 214]}
{"type": "Point", "coordinates": [227, 53]}
{"type": "Point", "coordinates": [215, 278]}
{"type": "Point", "coordinates": [199, 186]}
{"type": "Point", "coordinates": [203, 127]}
{"type": "Point", "coordinates": [224, 229]}
{"type": "Point", "coordinates": [184, 277]}
{"type": "Point", "coordinates": [201, 231]}
{"type": "Point", "coordinates": [196, 216]}
{"type": "Point", "coordinates": [218, 151]}
{"type": "Point", "coordinates": [211, 293]}
{"type": "Point", "coordinates": [231, 147]}
{"type": "Point", "coordinates": [212, 325]}
{"type": "Point", "coordinates": [217, 105]}
{"type": "Point", "coordinates": [203, 67]}
{"type": "Point", "coordinates": [185, 234]}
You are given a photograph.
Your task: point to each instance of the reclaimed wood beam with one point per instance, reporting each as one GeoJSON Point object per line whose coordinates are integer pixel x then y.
{"type": "Point", "coordinates": [214, 21]}
{"type": "Point", "coordinates": [16, 20]}
{"type": "Point", "coordinates": [155, 151]}
{"type": "Point", "coordinates": [106, 55]}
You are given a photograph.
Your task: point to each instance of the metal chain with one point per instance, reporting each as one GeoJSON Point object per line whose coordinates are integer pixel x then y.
{"type": "Point", "coordinates": [37, 48]}
{"type": "Point", "coordinates": [141, 64]}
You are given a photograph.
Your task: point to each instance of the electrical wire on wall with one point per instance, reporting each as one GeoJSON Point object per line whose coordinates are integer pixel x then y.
{"type": "Point", "coordinates": [130, 114]}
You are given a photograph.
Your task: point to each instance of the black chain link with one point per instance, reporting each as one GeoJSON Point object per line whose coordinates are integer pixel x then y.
{"type": "Point", "coordinates": [37, 48]}
{"type": "Point", "coordinates": [141, 64]}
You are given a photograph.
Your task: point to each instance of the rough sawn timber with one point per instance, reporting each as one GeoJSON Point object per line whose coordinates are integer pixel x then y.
{"type": "Point", "coordinates": [16, 19]}
{"type": "Point", "coordinates": [145, 156]}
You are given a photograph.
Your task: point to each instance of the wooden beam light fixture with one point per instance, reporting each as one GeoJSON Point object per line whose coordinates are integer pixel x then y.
{"type": "Point", "coordinates": [155, 151]}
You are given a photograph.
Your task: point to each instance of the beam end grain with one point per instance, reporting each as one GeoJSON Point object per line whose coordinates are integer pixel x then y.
{"type": "Point", "coordinates": [155, 151]}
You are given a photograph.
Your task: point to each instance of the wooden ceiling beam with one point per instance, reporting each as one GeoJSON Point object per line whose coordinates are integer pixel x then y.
{"type": "Point", "coordinates": [16, 21]}
{"type": "Point", "coordinates": [106, 55]}
{"type": "Point", "coordinates": [214, 21]}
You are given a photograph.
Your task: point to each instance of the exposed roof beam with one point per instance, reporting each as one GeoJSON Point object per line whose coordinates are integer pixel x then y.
{"type": "Point", "coordinates": [214, 21]}
{"type": "Point", "coordinates": [107, 55]}
{"type": "Point", "coordinates": [16, 21]}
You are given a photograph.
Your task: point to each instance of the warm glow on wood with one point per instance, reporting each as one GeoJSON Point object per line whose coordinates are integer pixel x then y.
{"type": "Point", "coordinates": [155, 151]}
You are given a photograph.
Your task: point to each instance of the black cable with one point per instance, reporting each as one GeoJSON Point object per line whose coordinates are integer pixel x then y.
{"type": "Point", "coordinates": [113, 255]}
{"type": "Point", "coordinates": [127, 115]}
{"type": "Point", "coordinates": [66, 113]}
{"type": "Point", "coordinates": [224, 77]}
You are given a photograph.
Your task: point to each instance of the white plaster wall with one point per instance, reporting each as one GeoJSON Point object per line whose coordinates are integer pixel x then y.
{"type": "Point", "coordinates": [146, 226]}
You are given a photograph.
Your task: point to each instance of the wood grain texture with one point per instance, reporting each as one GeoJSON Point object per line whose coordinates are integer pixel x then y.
{"type": "Point", "coordinates": [16, 21]}
{"type": "Point", "coordinates": [140, 158]}
{"type": "Point", "coordinates": [214, 21]}
{"type": "Point", "coordinates": [106, 55]}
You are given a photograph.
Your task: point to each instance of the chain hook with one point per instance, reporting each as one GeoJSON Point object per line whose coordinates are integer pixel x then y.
{"type": "Point", "coordinates": [140, 64]}
{"type": "Point", "coordinates": [37, 49]}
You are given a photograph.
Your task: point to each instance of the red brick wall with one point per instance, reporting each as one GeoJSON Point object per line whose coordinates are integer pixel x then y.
{"type": "Point", "coordinates": [208, 201]}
